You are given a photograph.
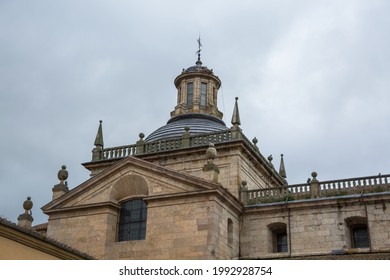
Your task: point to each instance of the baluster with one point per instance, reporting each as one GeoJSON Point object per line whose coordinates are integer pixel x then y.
{"type": "Point", "coordinates": [356, 186]}
{"type": "Point", "coordinates": [336, 187]}
{"type": "Point", "coordinates": [325, 187]}
{"type": "Point", "coordinates": [297, 191]}
{"type": "Point", "coordinates": [350, 189]}
{"type": "Point", "coordinates": [377, 182]}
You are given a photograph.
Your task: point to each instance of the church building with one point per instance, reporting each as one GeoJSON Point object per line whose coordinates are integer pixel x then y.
{"type": "Point", "coordinates": [198, 188]}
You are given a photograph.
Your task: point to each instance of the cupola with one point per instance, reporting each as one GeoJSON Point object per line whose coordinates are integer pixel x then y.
{"type": "Point", "coordinates": [196, 108]}
{"type": "Point", "coordinates": [197, 89]}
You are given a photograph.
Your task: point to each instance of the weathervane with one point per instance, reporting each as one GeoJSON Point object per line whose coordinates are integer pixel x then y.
{"type": "Point", "coordinates": [199, 48]}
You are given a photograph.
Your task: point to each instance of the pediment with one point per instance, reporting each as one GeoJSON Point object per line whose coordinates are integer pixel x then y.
{"type": "Point", "coordinates": [130, 177]}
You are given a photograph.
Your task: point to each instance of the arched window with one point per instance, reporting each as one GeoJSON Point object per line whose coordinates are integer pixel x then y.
{"type": "Point", "coordinates": [132, 220]}
{"type": "Point", "coordinates": [190, 93]}
{"type": "Point", "coordinates": [203, 94]}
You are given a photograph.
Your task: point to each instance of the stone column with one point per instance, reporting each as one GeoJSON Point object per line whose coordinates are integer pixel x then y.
{"type": "Point", "coordinates": [140, 144]}
{"type": "Point", "coordinates": [314, 186]}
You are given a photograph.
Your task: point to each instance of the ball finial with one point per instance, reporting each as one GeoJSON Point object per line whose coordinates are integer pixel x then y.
{"type": "Point", "coordinates": [28, 204]}
{"type": "Point", "coordinates": [63, 173]}
{"type": "Point", "coordinates": [255, 141]}
{"type": "Point", "coordinates": [211, 152]}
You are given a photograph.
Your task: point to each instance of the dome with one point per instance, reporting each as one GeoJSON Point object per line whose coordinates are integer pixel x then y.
{"type": "Point", "coordinates": [198, 124]}
{"type": "Point", "coordinates": [198, 68]}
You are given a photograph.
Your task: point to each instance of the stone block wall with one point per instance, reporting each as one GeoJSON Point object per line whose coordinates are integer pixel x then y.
{"type": "Point", "coordinates": [187, 228]}
{"type": "Point", "coordinates": [179, 228]}
{"type": "Point", "coordinates": [314, 227]}
{"type": "Point", "coordinates": [85, 230]}
{"type": "Point", "coordinates": [234, 167]}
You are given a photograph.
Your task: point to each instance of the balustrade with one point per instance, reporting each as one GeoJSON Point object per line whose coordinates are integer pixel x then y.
{"type": "Point", "coordinates": [164, 145]}
{"type": "Point", "coordinates": [342, 187]}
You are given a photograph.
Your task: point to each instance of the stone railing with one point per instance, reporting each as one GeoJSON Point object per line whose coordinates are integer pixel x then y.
{"type": "Point", "coordinates": [142, 147]}
{"type": "Point", "coordinates": [369, 184]}
{"type": "Point", "coordinates": [118, 152]}
{"type": "Point", "coordinates": [316, 189]}
{"type": "Point", "coordinates": [276, 194]}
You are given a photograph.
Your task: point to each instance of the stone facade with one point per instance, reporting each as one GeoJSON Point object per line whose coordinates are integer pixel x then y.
{"type": "Point", "coordinates": [235, 162]}
{"type": "Point", "coordinates": [226, 204]}
{"type": "Point", "coordinates": [187, 216]}
{"type": "Point", "coordinates": [316, 227]}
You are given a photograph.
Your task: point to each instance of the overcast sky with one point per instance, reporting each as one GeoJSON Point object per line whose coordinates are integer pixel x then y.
{"type": "Point", "coordinates": [312, 77]}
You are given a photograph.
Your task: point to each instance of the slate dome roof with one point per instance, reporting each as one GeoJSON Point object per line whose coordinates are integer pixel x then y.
{"type": "Point", "coordinates": [198, 124]}
{"type": "Point", "coordinates": [198, 68]}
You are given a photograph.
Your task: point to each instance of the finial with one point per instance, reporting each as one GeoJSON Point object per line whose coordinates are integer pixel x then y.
{"type": "Point", "coordinates": [99, 136]}
{"type": "Point", "coordinates": [211, 153]}
{"type": "Point", "coordinates": [198, 51]}
{"type": "Point", "coordinates": [62, 187]}
{"type": "Point", "coordinates": [62, 174]}
{"type": "Point", "coordinates": [140, 149]}
{"type": "Point", "coordinates": [282, 169]}
{"type": "Point", "coordinates": [27, 205]}
{"type": "Point", "coordinates": [26, 219]}
{"type": "Point", "coordinates": [210, 169]}
{"type": "Point", "coordinates": [236, 114]}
